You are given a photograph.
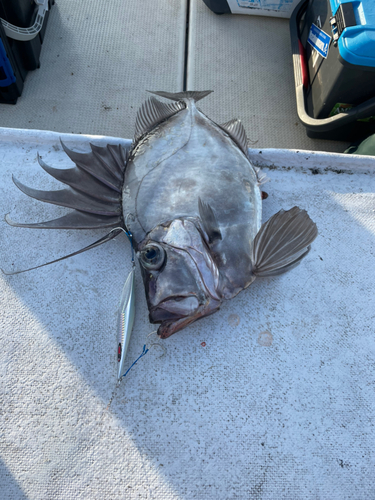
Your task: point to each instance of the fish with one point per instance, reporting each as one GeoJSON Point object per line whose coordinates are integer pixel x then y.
{"type": "Point", "coordinates": [190, 197]}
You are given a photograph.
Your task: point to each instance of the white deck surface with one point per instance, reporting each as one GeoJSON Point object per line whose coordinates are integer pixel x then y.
{"type": "Point", "coordinates": [279, 402]}
{"type": "Point", "coordinates": [287, 414]}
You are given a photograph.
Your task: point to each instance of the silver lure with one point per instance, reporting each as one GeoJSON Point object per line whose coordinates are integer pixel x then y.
{"type": "Point", "coordinates": [125, 320]}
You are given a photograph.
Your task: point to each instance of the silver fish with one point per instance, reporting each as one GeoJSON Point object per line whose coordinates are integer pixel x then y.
{"type": "Point", "coordinates": [195, 204]}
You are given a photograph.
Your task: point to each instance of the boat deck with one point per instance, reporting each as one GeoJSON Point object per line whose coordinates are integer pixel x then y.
{"type": "Point", "coordinates": [99, 58]}
{"type": "Point", "coordinates": [271, 397]}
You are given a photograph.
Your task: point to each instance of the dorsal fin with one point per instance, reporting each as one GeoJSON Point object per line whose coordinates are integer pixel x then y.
{"type": "Point", "coordinates": [112, 234]}
{"type": "Point", "coordinates": [237, 132]}
{"type": "Point", "coordinates": [99, 164]}
{"type": "Point", "coordinates": [153, 112]}
{"type": "Point", "coordinates": [188, 94]}
{"type": "Point", "coordinates": [94, 189]}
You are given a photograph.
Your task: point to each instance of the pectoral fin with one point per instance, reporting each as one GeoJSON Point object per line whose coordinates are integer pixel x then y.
{"type": "Point", "coordinates": [282, 242]}
{"type": "Point", "coordinates": [209, 221]}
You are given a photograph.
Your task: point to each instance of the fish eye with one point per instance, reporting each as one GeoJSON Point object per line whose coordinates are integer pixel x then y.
{"type": "Point", "coordinates": [152, 256]}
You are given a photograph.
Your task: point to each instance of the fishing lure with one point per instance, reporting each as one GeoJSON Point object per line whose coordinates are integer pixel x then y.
{"type": "Point", "coordinates": [125, 321]}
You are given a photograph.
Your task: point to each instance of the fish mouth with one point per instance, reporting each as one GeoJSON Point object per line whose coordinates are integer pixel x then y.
{"type": "Point", "coordinates": [168, 328]}
{"type": "Point", "coordinates": [172, 322]}
{"type": "Point", "coordinates": [174, 308]}
{"type": "Point", "coordinates": [187, 287]}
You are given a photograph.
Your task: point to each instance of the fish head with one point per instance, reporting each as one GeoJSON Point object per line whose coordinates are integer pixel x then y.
{"type": "Point", "coordinates": [180, 276]}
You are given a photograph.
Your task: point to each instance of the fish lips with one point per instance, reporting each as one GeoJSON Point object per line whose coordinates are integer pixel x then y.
{"type": "Point", "coordinates": [175, 308]}
{"type": "Point", "coordinates": [175, 315]}
{"type": "Point", "coordinates": [186, 288]}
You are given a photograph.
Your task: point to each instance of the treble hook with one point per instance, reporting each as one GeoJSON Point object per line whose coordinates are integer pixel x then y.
{"type": "Point", "coordinates": [156, 344]}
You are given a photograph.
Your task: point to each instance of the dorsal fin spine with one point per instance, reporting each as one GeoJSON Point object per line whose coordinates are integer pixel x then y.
{"type": "Point", "coordinates": [151, 113]}
{"type": "Point", "coordinates": [237, 132]}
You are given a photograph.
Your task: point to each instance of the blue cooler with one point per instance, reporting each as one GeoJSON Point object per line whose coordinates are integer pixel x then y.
{"type": "Point", "coordinates": [333, 43]}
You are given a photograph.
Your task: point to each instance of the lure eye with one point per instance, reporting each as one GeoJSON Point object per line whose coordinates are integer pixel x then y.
{"type": "Point", "coordinates": [152, 256]}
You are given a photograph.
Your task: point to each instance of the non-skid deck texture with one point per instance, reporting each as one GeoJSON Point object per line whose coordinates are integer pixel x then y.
{"type": "Point", "coordinates": [247, 61]}
{"type": "Point", "coordinates": [271, 398]}
{"type": "Point", "coordinates": [97, 61]}
{"type": "Point", "coordinates": [99, 58]}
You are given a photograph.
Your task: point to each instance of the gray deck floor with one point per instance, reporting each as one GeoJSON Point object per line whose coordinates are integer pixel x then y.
{"type": "Point", "coordinates": [99, 58]}
{"type": "Point", "coordinates": [97, 61]}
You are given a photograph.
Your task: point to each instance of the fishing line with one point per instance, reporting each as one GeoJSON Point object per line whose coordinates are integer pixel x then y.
{"type": "Point", "coordinates": [145, 348]}
{"type": "Point", "coordinates": [130, 238]}
{"type": "Point", "coordinates": [144, 352]}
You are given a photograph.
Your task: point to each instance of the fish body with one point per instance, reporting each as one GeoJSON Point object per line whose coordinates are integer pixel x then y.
{"type": "Point", "coordinates": [190, 197]}
{"type": "Point", "coordinates": [185, 159]}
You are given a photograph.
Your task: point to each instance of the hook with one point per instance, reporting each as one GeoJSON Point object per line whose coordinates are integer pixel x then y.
{"type": "Point", "coordinates": [156, 344]}
{"type": "Point", "coordinates": [154, 331]}
{"type": "Point", "coordinates": [128, 234]}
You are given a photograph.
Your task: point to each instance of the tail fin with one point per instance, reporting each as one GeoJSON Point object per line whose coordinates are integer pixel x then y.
{"type": "Point", "coordinates": [282, 242]}
{"type": "Point", "coordinates": [188, 94]}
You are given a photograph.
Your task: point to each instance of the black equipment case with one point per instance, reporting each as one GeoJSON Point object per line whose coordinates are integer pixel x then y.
{"type": "Point", "coordinates": [333, 44]}
{"type": "Point", "coordinates": [22, 28]}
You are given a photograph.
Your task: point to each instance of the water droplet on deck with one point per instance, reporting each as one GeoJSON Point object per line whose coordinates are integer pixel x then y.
{"type": "Point", "coordinates": [265, 339]}
{"type": "Point", "coordinates": [234, 320]}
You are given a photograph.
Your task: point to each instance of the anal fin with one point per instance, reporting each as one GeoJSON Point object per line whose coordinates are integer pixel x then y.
{"type": "Point", "coordinates": [282, 242]}
{"type": "Point", "coordinates": [237, 132]}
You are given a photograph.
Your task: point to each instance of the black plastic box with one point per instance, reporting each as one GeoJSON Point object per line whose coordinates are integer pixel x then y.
{"type": "Point", "coordinates": [218, 6]}
{"type": "Point", "coordinates": [22, 56]}
{"type": "Point", "coordinates": [11, 80]}
{"type": "Point", "coordinates": [335, 86]}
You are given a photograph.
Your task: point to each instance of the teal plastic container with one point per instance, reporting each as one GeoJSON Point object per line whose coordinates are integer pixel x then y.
{"type": "Point", "coordinates": [353, 27]}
